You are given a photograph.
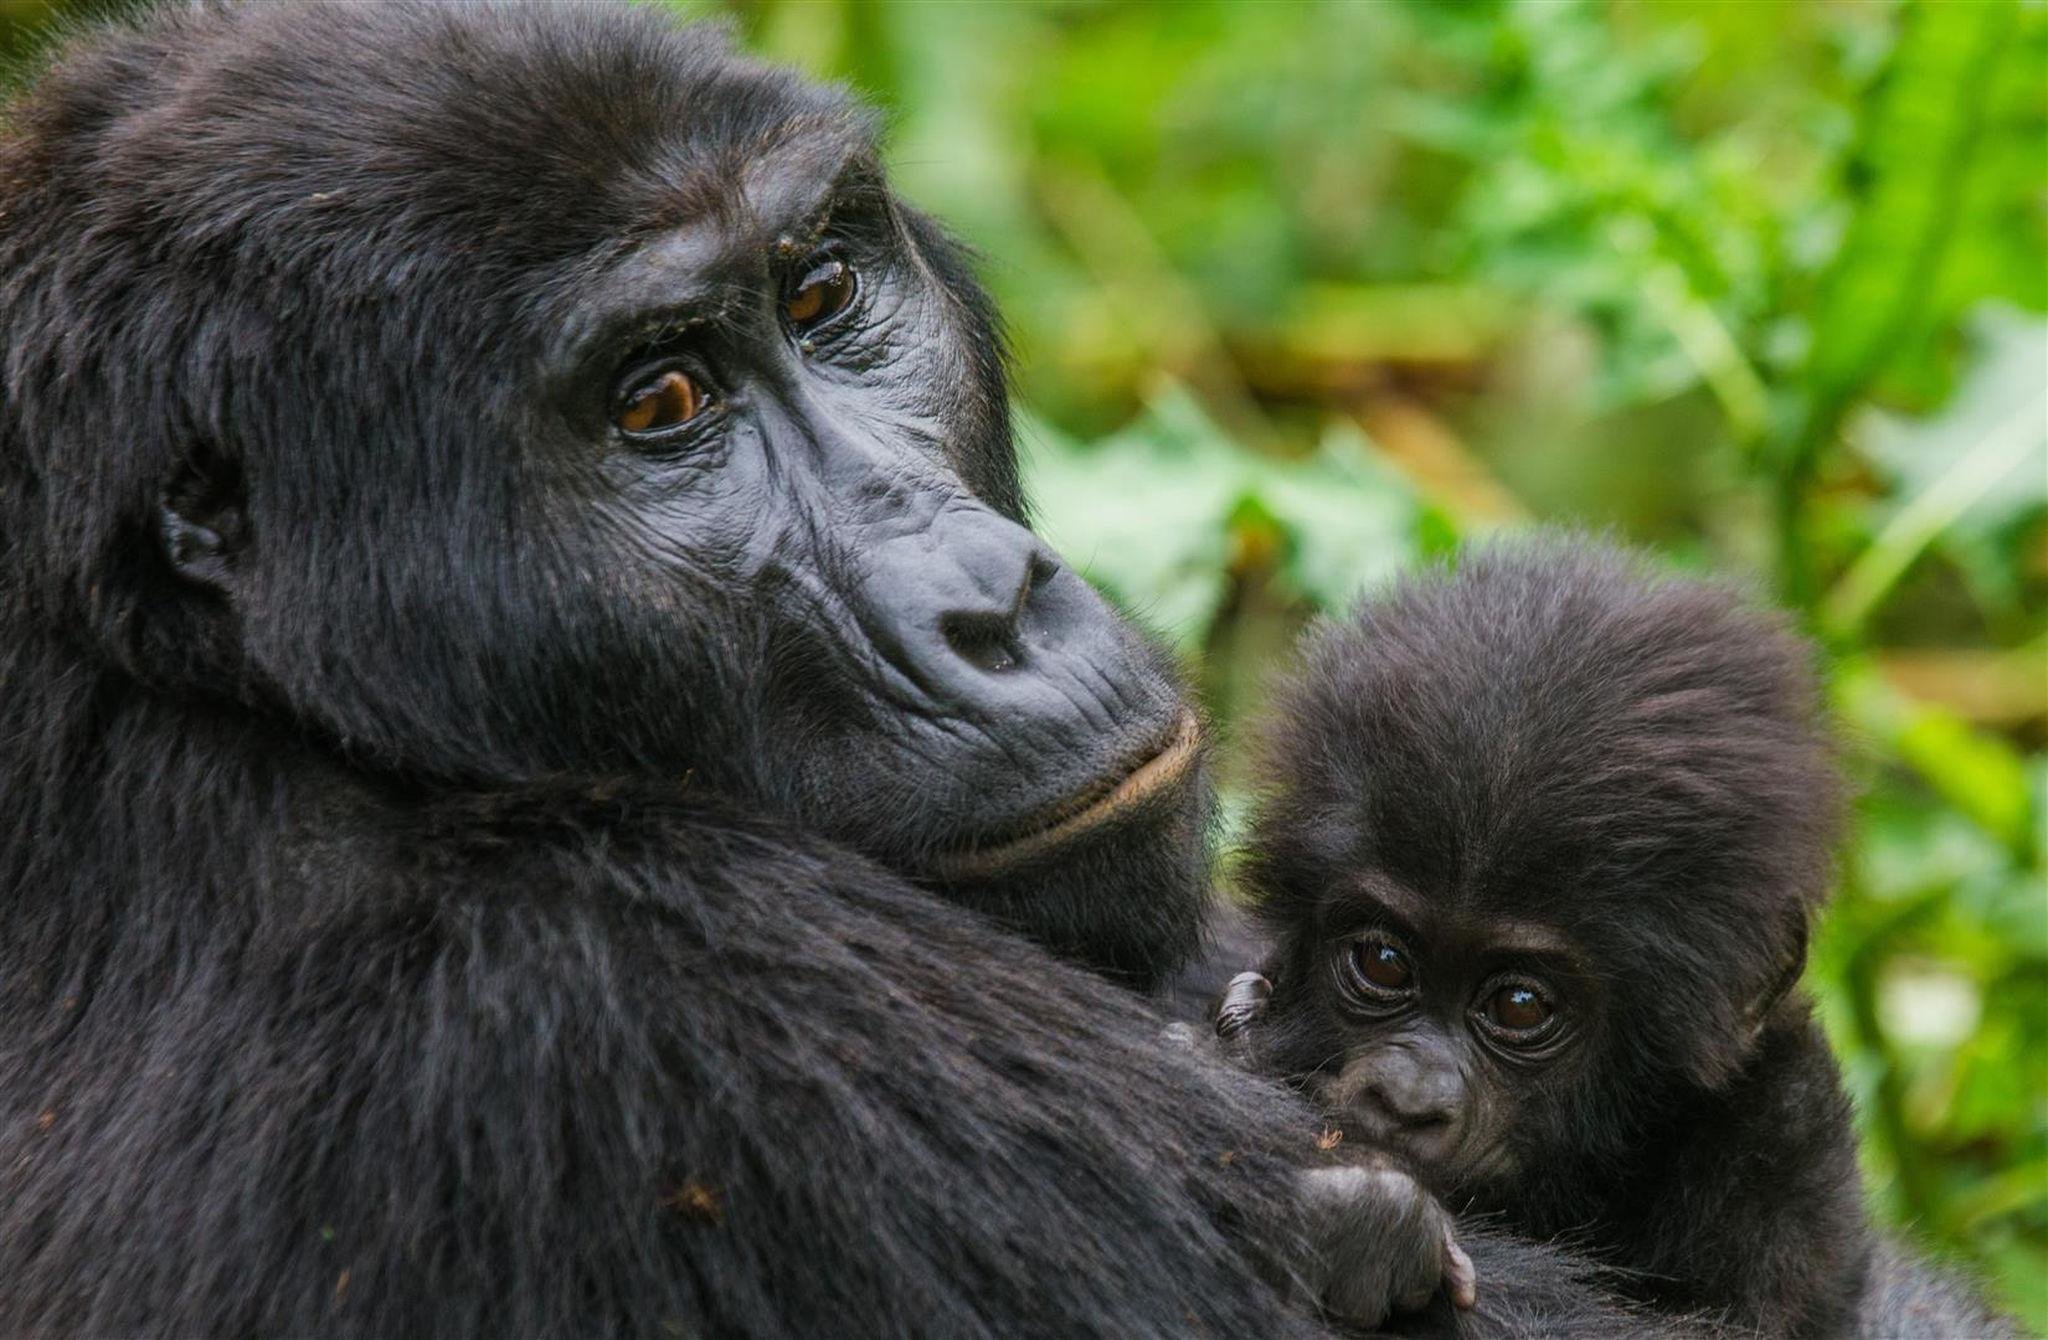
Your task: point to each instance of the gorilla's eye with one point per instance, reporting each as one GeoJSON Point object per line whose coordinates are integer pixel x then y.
{"type": "Point", "coordinates": [1519, 1012]}
{"type": "Point", "coordinates": [1380, 967]}
{"type": "Point", "coordinates": [820, 295]}
{"type": "Point", "coordinates": [668, 399]}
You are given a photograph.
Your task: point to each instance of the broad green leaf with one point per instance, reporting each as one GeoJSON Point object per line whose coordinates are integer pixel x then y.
{"type": "Point", "coordinates": [1142, 514]}
{"type": "Point", "coordinates": [1150, 512]}
{"type": "Point", "coordinates": [1979, 774]}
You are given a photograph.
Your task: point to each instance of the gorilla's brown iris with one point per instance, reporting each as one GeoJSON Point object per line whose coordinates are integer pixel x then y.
{"type": "Point", "coordinates": [668, 400]}
{"type": "Point", "coordinates": [822, 295]}
{"type": "Point", "coordinates": [1382, 966]}
{"type": "Point", "coordinates": [1516, 1008]}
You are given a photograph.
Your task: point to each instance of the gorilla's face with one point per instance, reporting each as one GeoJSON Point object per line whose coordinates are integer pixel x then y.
{"type": "Point", "coordinates": [786, 408]}
{"type": "Point", "coordinates": [634, 429]}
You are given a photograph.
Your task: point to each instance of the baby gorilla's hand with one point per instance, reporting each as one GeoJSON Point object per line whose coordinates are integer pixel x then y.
{"type": "Point", "coordinates": [1236, 1015]}
{"type": "Point", "coordinates": [1382, 1244]}
{"type": "Point", "coordinates": [1232, 1038]}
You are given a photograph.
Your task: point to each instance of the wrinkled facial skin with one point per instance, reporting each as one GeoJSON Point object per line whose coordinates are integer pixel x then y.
{"type": "Point", "coordinates": [938, 677]}
{"type": "Point", "coordinates": [393, 494]}
{"type": "Point", "coordinates": [941, 686]}
{"type": "Point", "coordinates": [1458, 1044]}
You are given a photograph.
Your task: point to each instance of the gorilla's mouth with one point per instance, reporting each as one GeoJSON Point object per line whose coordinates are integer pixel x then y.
{"type": "Point", "coordinates": [1087, 810]}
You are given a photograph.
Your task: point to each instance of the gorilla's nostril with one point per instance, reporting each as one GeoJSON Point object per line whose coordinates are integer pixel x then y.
{"type": "Point", "coordinates": [1403, 1113]}
{"type": "Point", "coordinates": [982, 640]}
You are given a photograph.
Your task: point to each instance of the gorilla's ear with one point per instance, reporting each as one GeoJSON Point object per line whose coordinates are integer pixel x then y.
{"type": "Point", "coordinates": [202, 521]}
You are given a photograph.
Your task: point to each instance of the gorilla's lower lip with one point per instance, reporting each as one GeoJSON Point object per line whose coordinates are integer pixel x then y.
{"type": "Point", "coordinates": [1156, 774]}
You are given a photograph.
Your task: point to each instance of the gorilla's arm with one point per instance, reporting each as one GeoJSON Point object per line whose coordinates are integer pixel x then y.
{"type": "Point", "coordinates": [642, 1042]}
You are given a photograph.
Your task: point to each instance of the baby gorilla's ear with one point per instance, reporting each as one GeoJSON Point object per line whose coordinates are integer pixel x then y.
{"type": "Point", "coordinates": [1715, 1011]}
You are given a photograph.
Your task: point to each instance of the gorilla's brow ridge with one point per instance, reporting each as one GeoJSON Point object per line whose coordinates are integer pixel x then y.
{"type": "Point", "coordinates": [707, 243]}
{"type": "Point", "coordinates": [1373, 899]}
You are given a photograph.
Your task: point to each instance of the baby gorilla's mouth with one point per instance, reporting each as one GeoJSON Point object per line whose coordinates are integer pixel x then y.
{"type": "Point", "coordinates": [1085, 811]}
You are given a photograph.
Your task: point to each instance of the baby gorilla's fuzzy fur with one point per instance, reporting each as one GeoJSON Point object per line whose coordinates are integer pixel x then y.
{"type": "Point", "coordinates": [1548, 772]}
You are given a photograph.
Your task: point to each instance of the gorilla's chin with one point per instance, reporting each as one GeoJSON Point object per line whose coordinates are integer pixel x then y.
{"type": "Point", "coordinates": [1119, 886]}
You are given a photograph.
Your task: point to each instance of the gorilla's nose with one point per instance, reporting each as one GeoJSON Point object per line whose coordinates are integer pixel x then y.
{"type": "Point", "coordinates": [1414, 1104]}
{"type": "Point", "coordinates": [988, 633]}
{"type": "Point", "coordinates": [981, 614]}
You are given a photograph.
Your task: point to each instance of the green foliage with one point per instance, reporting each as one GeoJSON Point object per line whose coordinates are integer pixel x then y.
{"type": "Point", "coordinates": [1166, 511]}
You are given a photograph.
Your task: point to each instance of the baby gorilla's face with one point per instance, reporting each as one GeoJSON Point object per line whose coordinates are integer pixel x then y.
{"type": "Point", "coordinates": [1445, 1036]}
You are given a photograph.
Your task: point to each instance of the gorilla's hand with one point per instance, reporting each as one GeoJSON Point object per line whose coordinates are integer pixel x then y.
{"type": "Point", "coordinates": [1381, 1243]}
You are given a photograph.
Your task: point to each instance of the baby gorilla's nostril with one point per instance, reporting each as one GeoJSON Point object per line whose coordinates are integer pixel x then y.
{"type": "Point", "coordinates": [982, 640]}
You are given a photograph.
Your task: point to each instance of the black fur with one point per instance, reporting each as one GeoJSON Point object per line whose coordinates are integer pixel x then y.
{"type": "Point", "coordinates": [429, 896]}
{"type": "Point", "coordinates": [1549, 737]}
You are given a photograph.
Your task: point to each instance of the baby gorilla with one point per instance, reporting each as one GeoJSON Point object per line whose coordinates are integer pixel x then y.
{"type": "Point", "coordinates": [1538, 849]}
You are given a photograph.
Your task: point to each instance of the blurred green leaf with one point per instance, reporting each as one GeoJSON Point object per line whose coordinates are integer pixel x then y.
{"type": "Point", "coordinates": [1976, 468]}
{"type": "Point", "coordinates": [1907, 178]}
{"type": "Point", "coordinates": [1152, 512]}
{"type": "Point", "coordinates": [1143, 513]}
{"type": "Point", "coordinates": [1980, 775]}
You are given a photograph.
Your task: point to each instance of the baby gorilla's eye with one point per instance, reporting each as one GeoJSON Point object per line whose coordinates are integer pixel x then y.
{"type": "Point", "coordinates": [821, 295]}
{"type": "Point", "coordinates": [1519, 1011]}
{"type": "Point", "coordinates": [1381, 966]}
{"type": "Point", "coordinates": [668, 399]}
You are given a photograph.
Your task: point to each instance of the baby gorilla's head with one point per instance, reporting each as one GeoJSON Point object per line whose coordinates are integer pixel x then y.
{"type": "Point", "coordinates": [1539, 843]}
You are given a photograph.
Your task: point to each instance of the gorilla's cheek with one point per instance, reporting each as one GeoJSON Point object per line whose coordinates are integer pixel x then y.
{"type": "Point", "coordinates": [923, 678]}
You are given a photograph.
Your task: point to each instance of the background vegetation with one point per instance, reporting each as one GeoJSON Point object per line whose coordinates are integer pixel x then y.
{"type": "Point", "coordinates": [1306, 292]}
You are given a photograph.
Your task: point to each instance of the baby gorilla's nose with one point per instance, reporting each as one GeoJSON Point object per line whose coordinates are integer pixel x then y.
{"type": "Point", "coordinates": [1411, 1099]}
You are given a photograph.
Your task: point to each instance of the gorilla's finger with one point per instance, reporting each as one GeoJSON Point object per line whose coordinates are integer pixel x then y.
{"type": "Point", "coordinates": [1425, 1268]}
{"type": "Point", "coordinates": [1241, 1007]}
{"type": "Point", "coordinates": [1461, 1280]}
{"type": "Point", "coordinates": [1244, 1000]}
{"type": "Point", "coordinates": [1415, 1297]}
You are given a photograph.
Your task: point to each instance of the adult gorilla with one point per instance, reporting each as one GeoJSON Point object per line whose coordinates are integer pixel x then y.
{"type": "Point", "coordinates": [498, 507]}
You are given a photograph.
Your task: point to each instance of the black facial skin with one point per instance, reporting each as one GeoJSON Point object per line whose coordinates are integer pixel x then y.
{"type": "Point", "coordinates": [1445, 1018]}
{"type": "Point", "coordinates": [1537, 854]}
{"type": "Point", "coordinates": [940, 679]}
{"type": "Point", "coordinates": [924, 680]}
{"type": "Point", "coordinates": [506, 690]}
